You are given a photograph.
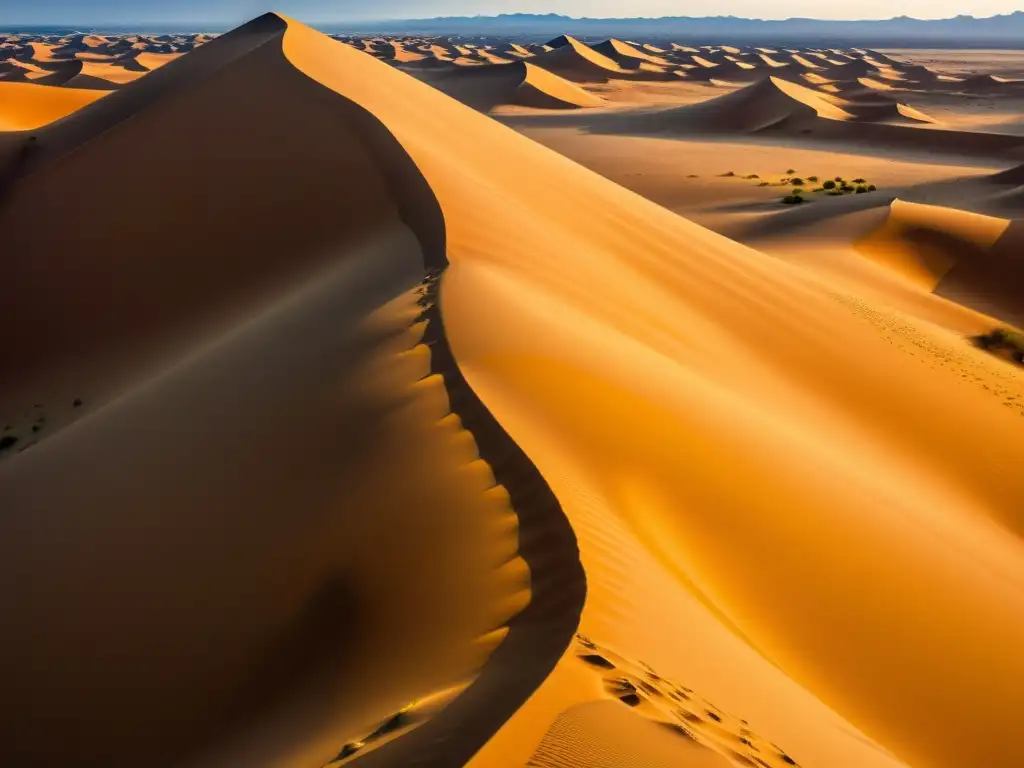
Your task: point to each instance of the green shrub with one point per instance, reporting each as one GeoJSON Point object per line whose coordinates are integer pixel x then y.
{"type": "Point", "coordinates": [1003, 340]}
{"type": "Point", "coordinates": [872, 187]}
{"type": "Point", "coordinates": [1014, 339]}
{"type": "Point", "coordinates": [861, 189]}
{"type": "Point", "coordinates": [829, 185]}
{"type": "Point", "coordinates": [839, 179]}
{"type": "Point", "coordinates": [729, 174]}
{"type": "Point", "coordinates": [791, 171]}
{"type": "Point", "coordinates": [859, 181]}
{"type": "Point", "coordinates": [792, 200]}
{"type": "Point", "coordinates": [797, 182]}
{"type": "Point", "coordinates": [812, 178]}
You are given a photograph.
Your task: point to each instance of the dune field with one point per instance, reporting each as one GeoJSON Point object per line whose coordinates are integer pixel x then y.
{"type": "Point", "coordinates": [576, 404]}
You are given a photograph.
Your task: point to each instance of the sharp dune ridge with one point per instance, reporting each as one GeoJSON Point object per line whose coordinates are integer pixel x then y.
{"type": "Point", "coordinates": [372, 431]}
{"type": "Point", "coordinates": [535, 634]}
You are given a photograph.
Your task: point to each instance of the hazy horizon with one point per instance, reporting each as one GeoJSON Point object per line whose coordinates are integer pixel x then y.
{"type": "Point", "coordinates": [228, 12]}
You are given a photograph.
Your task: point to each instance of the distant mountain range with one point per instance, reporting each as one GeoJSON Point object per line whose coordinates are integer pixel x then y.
{"type": "Point", "coordinates": [963, 31]}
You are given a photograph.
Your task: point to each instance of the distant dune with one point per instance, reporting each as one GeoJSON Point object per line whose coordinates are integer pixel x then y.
{"type": "Point", "coordinates": [519, 83]}
{"type": "Point", "coordinates": [579, 63]}
{"type": "Point", "coordinates": [776, 103]}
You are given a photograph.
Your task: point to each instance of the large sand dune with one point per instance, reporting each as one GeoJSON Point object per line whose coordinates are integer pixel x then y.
{"type": "Point", "coordinates": [316, 508]}
{"type": "Point", "coordinates": [221, 596]}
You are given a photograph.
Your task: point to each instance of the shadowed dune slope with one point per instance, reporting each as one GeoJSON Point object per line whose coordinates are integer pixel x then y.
{"type": "Point", "coordinates": [1013, 176]}
{"type": "Point", "coordinates": [203, 567]}
{"type": "Point", "coordinates": [706, 417]}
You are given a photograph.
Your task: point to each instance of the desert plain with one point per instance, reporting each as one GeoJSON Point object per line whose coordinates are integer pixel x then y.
{"type": "Point", "coordinates": [578, 403]}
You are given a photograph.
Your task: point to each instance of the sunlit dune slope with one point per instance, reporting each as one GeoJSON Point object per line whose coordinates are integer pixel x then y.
{"type": "Point", "coordinates": [266, 531]}
{"type": "Point", "coordinates": [26, 106]}
{"type": "Point", "coordinates": [752, 470]}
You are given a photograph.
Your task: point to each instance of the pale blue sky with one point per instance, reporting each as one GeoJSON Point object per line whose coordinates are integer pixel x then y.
{"type": "Point", "coordinates": [233, 11]}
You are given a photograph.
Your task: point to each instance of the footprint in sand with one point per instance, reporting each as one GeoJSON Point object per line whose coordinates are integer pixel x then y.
{"type": "Point", "coordinates": [677, 707]}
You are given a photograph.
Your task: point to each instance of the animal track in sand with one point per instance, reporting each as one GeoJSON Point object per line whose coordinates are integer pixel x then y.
{"type": "Point", "coordinates": [679, 708]}
{"type": "Point", "coordinates": [997, 377]}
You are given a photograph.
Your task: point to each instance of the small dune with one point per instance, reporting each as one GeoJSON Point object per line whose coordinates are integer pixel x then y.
{"type": "Point", "coordinates": [519, 83]}
{"type": "Point", "coordinates": [579, 63]}
{"type": "Point", "coordinates": [970, 258]}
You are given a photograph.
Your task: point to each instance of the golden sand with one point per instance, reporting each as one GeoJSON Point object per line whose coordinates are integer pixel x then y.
{"type": "Point", "coordinates": [369, 394]}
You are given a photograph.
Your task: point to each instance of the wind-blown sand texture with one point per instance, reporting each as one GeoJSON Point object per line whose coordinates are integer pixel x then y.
{"type": "Point", "coordinates": [377, 434]}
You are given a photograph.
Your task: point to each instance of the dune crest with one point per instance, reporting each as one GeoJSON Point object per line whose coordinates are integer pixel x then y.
{"type": "Point", "coordinates": [295, 368]}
